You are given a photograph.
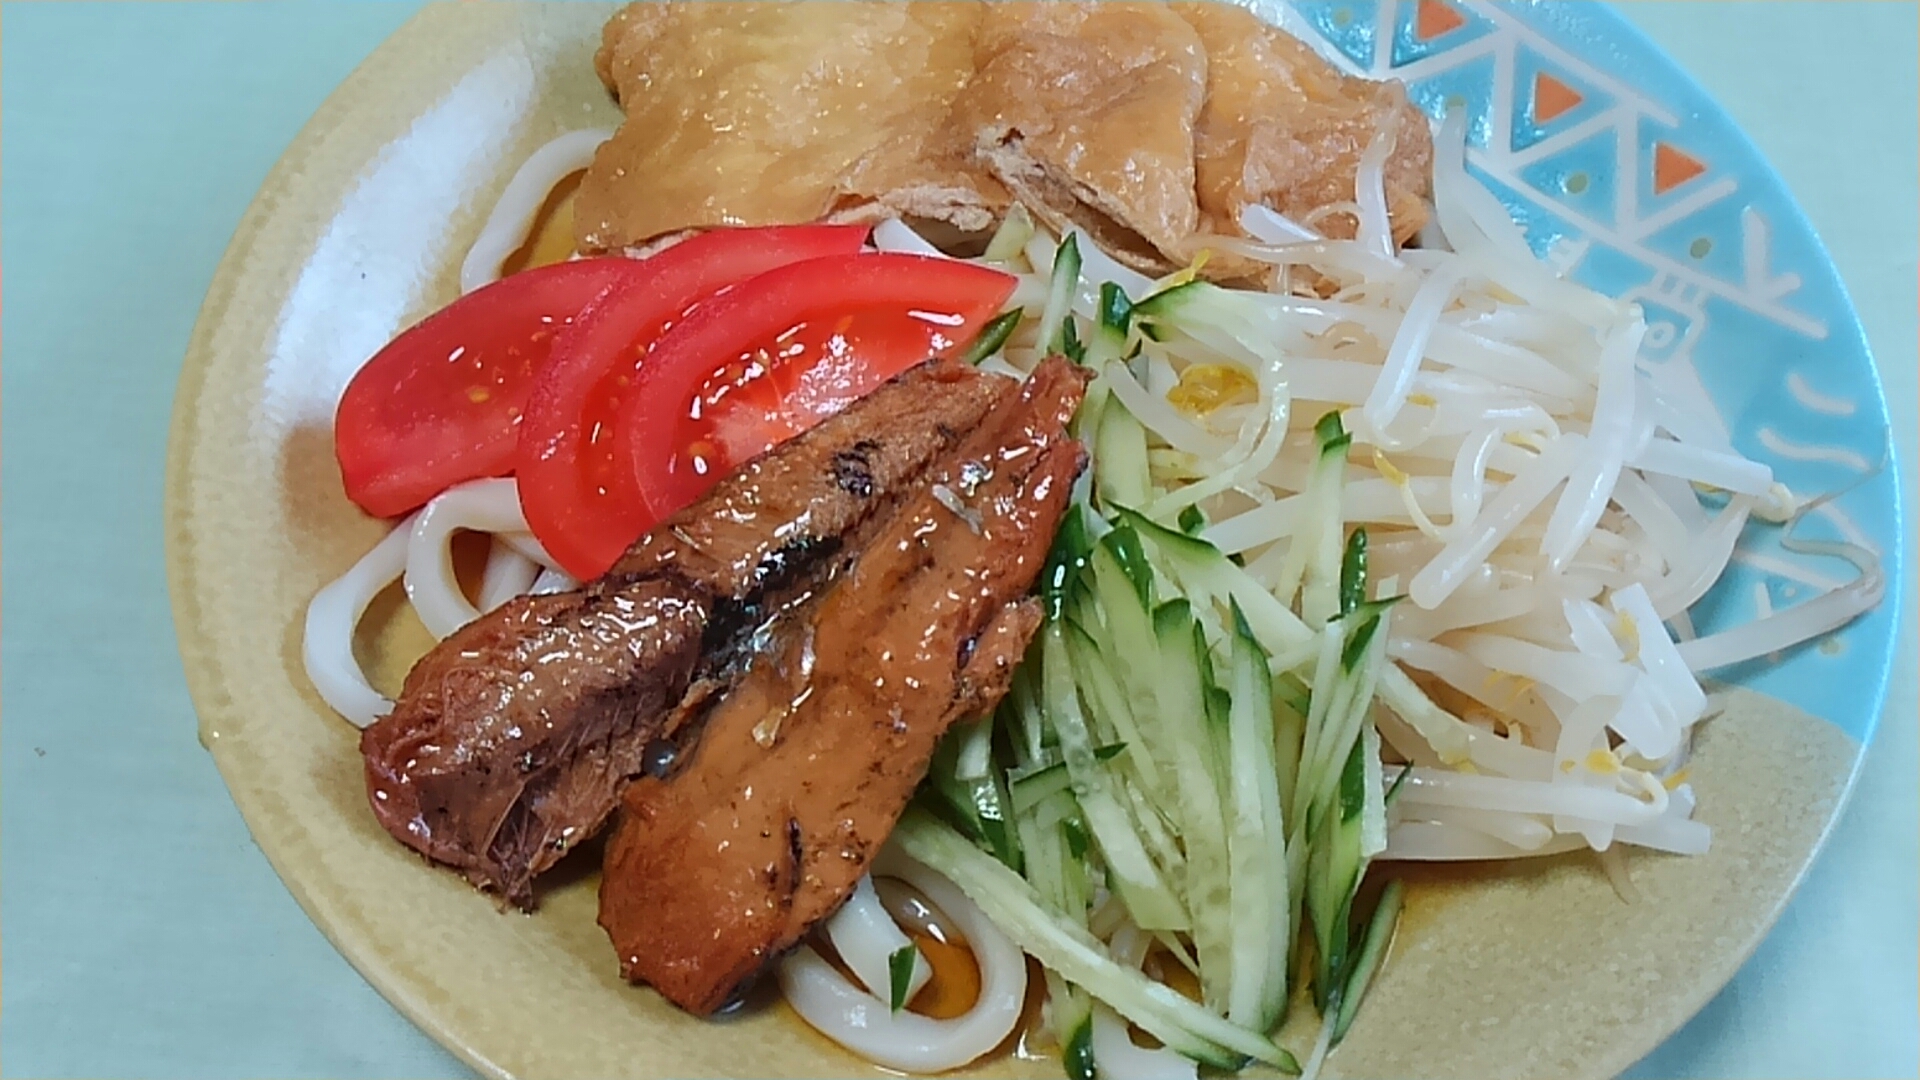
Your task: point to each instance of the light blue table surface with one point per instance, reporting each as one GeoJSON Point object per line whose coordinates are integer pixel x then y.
{"type": "Point", "coordinates": [145, 935]}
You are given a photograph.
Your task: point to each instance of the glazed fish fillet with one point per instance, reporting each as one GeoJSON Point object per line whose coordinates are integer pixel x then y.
{"type": "Point", "coordinates": [801, 771]}
{"type": "Point", "coordinates": [513, 738]}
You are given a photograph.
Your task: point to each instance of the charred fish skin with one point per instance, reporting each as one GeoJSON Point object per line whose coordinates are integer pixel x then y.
{"type": "Point", "coordinates": [512, 739]}
{"type": "Point", "coordinates": [716, 870]}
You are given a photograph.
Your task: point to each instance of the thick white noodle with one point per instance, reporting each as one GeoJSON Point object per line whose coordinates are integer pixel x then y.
{"type": "Point", "coordinates": [481, 506]}
{"type": "Point", "coordinates": [906, 1040]}
{"type": "Point", "coordinates": [508, 574]}
{"type": "Point", "coordinates": [1115, 1055]}
{"type": "Point", "coordinates": [512, 217]}
{"type": "Point", "coordinates": [552, 580]}
{"type": "Point", "coordinates": [524, 543]}
{"type": "Point", "coordinates": [866, 938]}
{"type": "Point", "coordinates": [326, 643]}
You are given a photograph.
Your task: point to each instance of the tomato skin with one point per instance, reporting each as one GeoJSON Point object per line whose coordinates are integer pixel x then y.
{"type": "Point", "coordinates": [879, 313]}
{"type": "Point", "coordinates": [442, 402]}
{"type": "Point", "coordinates": [578, 496]}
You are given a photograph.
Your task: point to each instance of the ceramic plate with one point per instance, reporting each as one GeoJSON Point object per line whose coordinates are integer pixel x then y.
{"type": "Point", "coordinates": [1621, 170]}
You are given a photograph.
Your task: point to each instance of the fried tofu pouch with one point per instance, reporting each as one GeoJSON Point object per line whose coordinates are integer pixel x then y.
{"type": "Point", "coordinates": [1283, 128]}
{"type": "Point", "coordinates": [753, 113]}
{"type": "Point", "coordinates": [1149, 125]}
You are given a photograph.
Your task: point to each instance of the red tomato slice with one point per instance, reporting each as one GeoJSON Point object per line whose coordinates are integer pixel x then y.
{"type": "Point", "coordinates": [777, 354]}
{"type": "Point", "coordinates": [579, 497]}
{"type": "Point", "coordinates": [442, 403]}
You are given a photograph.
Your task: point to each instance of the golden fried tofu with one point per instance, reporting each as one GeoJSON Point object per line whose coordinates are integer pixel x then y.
{"type": "Point", "coordinates": [1284, 128]}
{"type": "Point", "coordinates": [754, 113]}
{"type": "Point", "coordinates": [1086, 111]}
{"type": "Point", "coordinates": [1149, 125]}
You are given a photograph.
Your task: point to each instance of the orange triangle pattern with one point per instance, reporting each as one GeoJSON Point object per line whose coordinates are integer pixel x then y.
{"type": "Point", "coordinates": [1434, 18]}
{"type": "Point", "coordinates": [1552, 98]}
{"type": "Point", "coordinates": [1672, 167]}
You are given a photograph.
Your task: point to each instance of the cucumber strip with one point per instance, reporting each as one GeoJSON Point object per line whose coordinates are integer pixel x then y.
{"type": "Point", "coordinates": [1314, 754]}
{"type": "Point", "coordinates": [1029, 791]}
{"type": "Point", "coordinates": [1373, 949]}
{"type": "Point", "coordinates": [979, 805]}
{"type": "Point", "coordinates": [1162, 306]}
{"type": "Point", "coordinates": [1116, 311]}
{"type": "Point", "coordinates": [1010, 239]}
{"type": "Point", "coordinates": [1110, 706]}
{"type": "Point", "coordinates": [1130, 640]}
{"type": "Point", "coordinates": [1257, 844]}
{"type": "Point", "coordinates": [1120, 472]}
{"type": "Point", "coordinates": [975, 741]}
{"type": "Point", "coordinates": [1334, 874]}
{"type": "Point", "coordinates": [1373, 810]}
{"type": "Point", "coordinates": [1304, 569]}
{"type": "Point", "coordinates": [1289, 731]}
{"type": "Point", "coordinates": [1068, 342]}
{"type": "Point", "coordinates": [1123, 543]}
{"type": "Point", "coordinates": [992, 337]}
{"type": "Point", "coordinates": [1193, 521]}
{"type": "Point", "coordinates": [1355, 696]}
{"type": "Point", "coordinates": [1393, 790]}
{"type": "Point", "coordinates": [1157, 832]}
{"type": "Point", "coordinates": [1058, 875]}
{"type": "Point", "coordinates": [900, 975]}
{"type": "Point", "coordinates": [1077, 1054]}
{"type": "Point", "coordinates": [1110, 329]}
{"type": "Point", "coordinates": [1069, 949]}
{"type": "Point", "coordinates": [1132, 872]}
{"type": "Point", "coordinates": [1066, 565]}
{"type": "Point", "coordinates": [1290, 690]}
{"type": "Point", "coordinates": [1353, 571]}
{"type": "Point", "coordinates": [1198, 568]}
{"type": "Point", "coordinates": [1320, 587]}
{"type": "Point", "coordinates": [1181, 688]}
{"type": "Point", "coordinates": [1113, 719]}
{"type": "Point", "coordinates": [1061, 290]}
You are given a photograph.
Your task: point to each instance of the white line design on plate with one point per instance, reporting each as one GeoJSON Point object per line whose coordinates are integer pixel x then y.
{"type": "Point", "coordinates": [1804, 393]}
{"type": "Point", "coordinates": [1831, 455]}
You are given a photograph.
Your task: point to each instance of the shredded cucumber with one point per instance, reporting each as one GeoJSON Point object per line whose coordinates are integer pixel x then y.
{"type": "Point", "coordinates": [1313, 555]}
{"type": "Point", "coordinates": [1056, 323]}
{"type": "Point", "coordinates": [1195, 741]}
{"type": "Point", "coordinates": [1010, 239]}
{"type": "Point", "coordinates": [1258, 882]}
{"type": "Point", "coordinates": [1131, 871]}
{"type": "Point", "coordinates": [1065, 947]}
{"type": "Point", "coordinates": [1373, 949]}
{"type": "Point", "coordinates": [1120, 473]}
{"type": "Point", "coordinates": [993, 337]}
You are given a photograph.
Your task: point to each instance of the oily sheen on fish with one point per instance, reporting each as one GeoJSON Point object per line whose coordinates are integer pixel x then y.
{"type": "Point", "coordinates": [512, 739]}
{"type": "Point", "coordinates": [805, 764]}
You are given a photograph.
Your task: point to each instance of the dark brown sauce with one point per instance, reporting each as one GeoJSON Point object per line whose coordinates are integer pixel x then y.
{"type": "Point", "coordinates": [952, 990]}
{"type": "Point", "coordinates": [955, 985]}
